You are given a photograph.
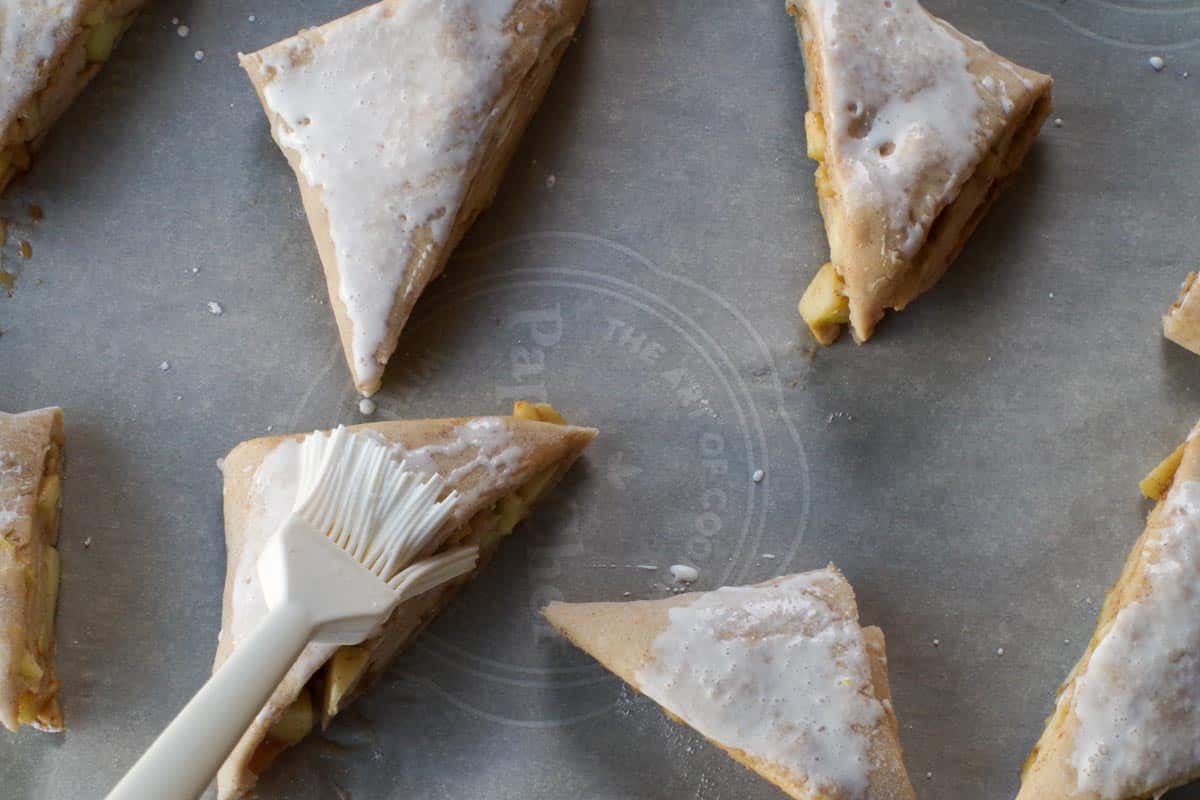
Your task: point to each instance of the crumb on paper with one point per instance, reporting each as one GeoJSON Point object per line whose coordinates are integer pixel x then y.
{"type": "Point", "coordinates": [198, 55]}
{"type": "Point", "coordinates": [758, 476]}
{"type": "Point", "coordinates": [1058, 122]}
{"type": "Point", "coordinates": [215, 308]}
{"type": "Point", "coordinates": [1157, 63]}
{"type": "Point", "coordinates": [550, 181]}
{"type": "Point", "coordinates": [366, 406]}
{"type": "Point", "coordinates": [937, 642]}
{"type": "Point", "coordinates": [87, 542]}
{"type": "Point", "coordinates": [769, 556]}
{"type": "Point", "coordinates": [252, 18]}
{"type": "Point", "coordinates": [999, 651]}
{"type": "Point", "coordinates": [164, 366]}
{"type": "Point", "coordinates": [183, 31]}
{"type": "Point", "coordinates": [682, 573]}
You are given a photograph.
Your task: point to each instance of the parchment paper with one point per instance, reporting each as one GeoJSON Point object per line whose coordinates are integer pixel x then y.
{"type": "Point", "coordinates": [973, 470]}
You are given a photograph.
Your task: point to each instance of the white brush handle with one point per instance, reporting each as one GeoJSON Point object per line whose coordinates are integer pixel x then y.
{"type": "Point", "coordinates": [183, 760]}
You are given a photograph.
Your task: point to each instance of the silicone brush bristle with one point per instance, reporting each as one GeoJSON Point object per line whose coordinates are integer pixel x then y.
{"type": "Point", "coordinates": [381, 512]}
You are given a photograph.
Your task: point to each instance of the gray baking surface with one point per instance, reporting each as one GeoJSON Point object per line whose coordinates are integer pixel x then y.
{"type": "Point", "coordinates": [973, 470]}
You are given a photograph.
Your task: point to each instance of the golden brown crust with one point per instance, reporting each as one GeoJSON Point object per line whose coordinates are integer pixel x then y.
{"type": "Point", "coordinates": [540, 35]}
{"type": "Point", "coordinates": [544, 445]}
{"type": "Point", "coordinates": [31, 457]}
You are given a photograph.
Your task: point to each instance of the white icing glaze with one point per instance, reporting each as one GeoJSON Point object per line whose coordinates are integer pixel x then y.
{"type": "Point", "coordinates": [903, 102]}
{"type": "Point", "coordinates": [29, 33]}
{"type": "Point", "coordinates": [490, 441]}
{"type": "Point", "coordinates": [775, 672]}
{"type": "Point", "coordinates": [1028, 84]}
{"type": "Point", "coordinates": [385, 117]}
{"type": "Point", "coordinates": [1138, 701]}
{"type": "Point", "coordinates": [12, 470]}
{"type": "Point", "coordinates": [272, 494]}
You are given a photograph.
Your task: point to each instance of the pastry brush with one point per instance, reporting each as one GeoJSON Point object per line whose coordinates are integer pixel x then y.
{"type": "Point", "coordinates": [332, 573]}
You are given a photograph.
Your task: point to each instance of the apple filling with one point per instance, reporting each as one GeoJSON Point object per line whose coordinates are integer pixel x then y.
{"type": "Point", "coordinates": [1156, 484]}
{"type": "Point", "coordinates": [67, 73]}
{"type": "Point", "coordinates": [824, 305]}
{"type": "Point", "coordinates": [348, 671]}
{"type": "Point", "coordinates": [38, 703]}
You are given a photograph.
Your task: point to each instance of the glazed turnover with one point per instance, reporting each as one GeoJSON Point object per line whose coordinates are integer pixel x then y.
{"type": "Point", "coordinates": [500, 466]}
{"type": "Point", "coordinates": [915, 128]}
{"type": "Point", "coordinates": [1125, 720]}
{"type": "Point", "coordinates": [780, 675]}
{"type": "Point", "coordinates": [48, 53]}
{"type": "Point", "coordinates": [399, 121]}
{"type": "Point", "coordinates": [31, 457]}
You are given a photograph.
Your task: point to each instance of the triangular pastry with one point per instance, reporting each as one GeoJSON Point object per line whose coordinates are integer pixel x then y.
{"type": "Point", "coordinates": [31, 457]}
{"type": "Point", "coordinates": [399, 121]}
{"type": "Point", "coordinates": [1125, 721]}
{"type": "Point", "coordinates": [914, 127]}
{"type": "Point", "coordinates": [1181, 324]}
{"type": "Point", "coordinates": [500, 466]}
{"type": "Point", "coordinates": [779, 675]}
{"type": "Point", "coordinates": [48, 53]}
